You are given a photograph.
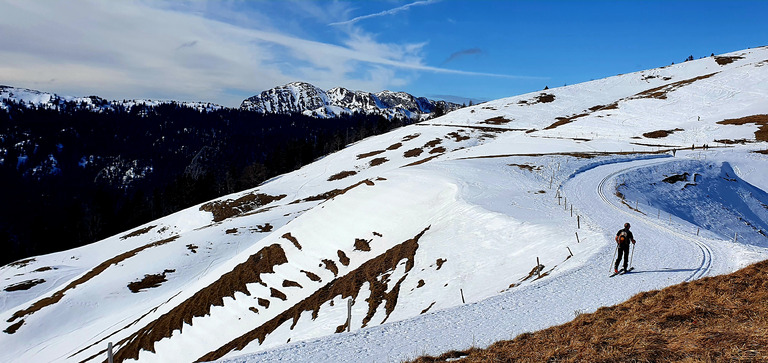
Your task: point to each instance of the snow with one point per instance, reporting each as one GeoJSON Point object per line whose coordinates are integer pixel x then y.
{"type": "Point", "coordinates": [498, 199]}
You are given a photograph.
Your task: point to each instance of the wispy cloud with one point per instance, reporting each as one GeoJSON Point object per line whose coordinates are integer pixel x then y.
{"type": "Point", "coordinates": [462, 53]}
{"type": "Point", "coordinates": [385, 12]}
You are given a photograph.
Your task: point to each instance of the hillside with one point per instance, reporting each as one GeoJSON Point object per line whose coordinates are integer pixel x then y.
{"type": "Point", "coordinates": [488, 222]}
{"type": "Point", "coordinates": [720, 319]}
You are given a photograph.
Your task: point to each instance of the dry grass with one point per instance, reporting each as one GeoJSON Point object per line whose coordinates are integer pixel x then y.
{"type": "Point", "coordinates": [333, 193]}
{"type": "Point", "coordinates": [58, 295]}
{"type": "Point", "coordinates": [378, 161]}
{"type": "Point", "coordinates": [24, 285]}
{"type": "Point", "coordinates": [293, 240]}
{"type": "Point", "coordinates": [343, 257]}
{"type": "Point", "coordinates": [222, 210]}
{"type": "Point", "coordinates": [21, 263]}
{"type": "Point", "coordinates": [660, 133]}
{"type": "Point", "coordinates": [395, 146]}
{"type": "Point", "coordinates": [201, 302]}
{"type": "Point", "coordinates": [369, 154]}
{"type": "Point", "coordinates": [149, 281]}
{"type": "Point", "coordinates": [433, 143]}
{"type": "Point", "coordinates": [723, 60]}
{"type": "Point", "coordinates": [411, 137]}
{"type": "Point", "coordinates": [530, 168]}
{"type": "Point", "coordinates": [715, 319]}
{"type": "Point", "coordinates": [761, 120]}
{"type": "Point", "coordinates": [661, 91]}
{"type": "Point", "coordinates": [341, 175]}
{"type": "Point", "coordinates": [422, 161]}
{"type": "Point", "coordinates": [498, 120]}
{"type": "Point", "coordinates": [138, 232]}
{"type": "Point", "coordinates": [413, 153]}
{"type": "Point", "coordinates": [362, 245]}
{"type": "Point", "coordinates": [440, 262]}
{"type": "Point", "coordinates": [374, 273]}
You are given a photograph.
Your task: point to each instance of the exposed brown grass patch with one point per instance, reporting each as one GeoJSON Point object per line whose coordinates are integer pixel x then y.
{"type": "Point", "coordinates": [661, 91]}
{"type": "Point", "coordinates": [764, 152]}
{"type": "Point", "coordinates": [378, 161]}
{"type": "Point", "coordinates": [58, 295]}
{"type": "Point", "coordinates": [428, 307]}
{"type": "Point", "coordinates": [541, 98]}
{"type": "Point", "coordinates": [362, 245]}
{"type": "Point", "coordinates": [411, 137]}
{"type": "Point", "coordinates": [395, 146]}
{"type": "Point", "coordinates": [371, 273]}
{"type": "Point", "coordinates": [222, 210]}
{"type": "Point", "coordinates": [433, 143]}
{"type": "Point", "coordinates": [273, 292]}
{"type": "Point", "coordinates": [192, 248]}
{"type": "Point", "coordinates": [761, 120]}
{"type": "Point", "coordinates": [457, 137]}
{"type": "Point", "coordinates": [24, 285]}
{"type": "Point", "coordinates": [138, 232]}
{"type": "Point", "coordinates": [422, 161]}
{"type": "Point", "coordinates": [290, 283]}
{"type": "Point", "coordinates": [46, 268]}
{"type": "Point", "coordinates": [343, 257]}
{"type": "Point", "coordinates": [413, 153]}
{"type": "Point", "coordinates": [231, 231]}
{"type": "Point", "coordinates": [342, 175]}
{"type": "Point", "coordinates": [201, 302]}
{"type": "Point", "coordinates": [21, 263]}
{"type": "Point", "coordinates": [149, 281]}
{"type": "Point", "coordinates": [440, 262]}
{"type": "Point", "coordinates": [331, 266]}
{"type": "Point", "coordinates": [266, 227]}
{"type": "Point", "coordinates": [369, 154]}
{"type": "Point", "coordinates": [723, 60]}
{"type": "Point", "coordinates": [714, 319]}
{"type": "Point", "coordinates": [311, 276]}
{"type": "Point", "coordinates": [14, 327]}
{"type": "Point", "coordinates": [293, 240]}
{"type": "Point", "coordinates": [263, 302]}
{"type": "Point", "coordinates": [565, 120]}
{"type": "Point", "coordinates": [733, 141]}
{"type": "Point", "coordinates": [660, 133]}
{"type": "Point", "coordinates": [334, 193]}
{"type": "Point", "coordinates": [437, 150]}
{"type": "Point", "coordinates": [498, 120]}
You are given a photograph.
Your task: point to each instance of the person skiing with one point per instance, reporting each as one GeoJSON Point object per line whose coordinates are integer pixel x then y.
{"type": "Point", "coordinates": [623, 237]}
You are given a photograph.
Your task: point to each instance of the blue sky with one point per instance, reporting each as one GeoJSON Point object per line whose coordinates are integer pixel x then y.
{"type": "Point", "coordinates": [225, 51]}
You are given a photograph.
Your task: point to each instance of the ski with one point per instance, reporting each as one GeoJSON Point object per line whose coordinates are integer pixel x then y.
{"type": "Point", "coordinates": [626, 271]}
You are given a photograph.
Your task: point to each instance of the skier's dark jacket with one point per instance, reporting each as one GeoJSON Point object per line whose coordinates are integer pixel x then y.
{"type": "Point", "coordinates": [629, 238]}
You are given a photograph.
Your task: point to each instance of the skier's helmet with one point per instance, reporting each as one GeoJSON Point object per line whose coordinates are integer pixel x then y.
{"type": "Point", "coordinates": [626, 225]}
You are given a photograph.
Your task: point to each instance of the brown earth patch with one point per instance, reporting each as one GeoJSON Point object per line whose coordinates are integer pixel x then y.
{"type": "Point", "coordinates": [420, 284]}
{"type": "Point", "coordinates": [231, 231]}
{"type": "Point", "coordinates": [411, 137]}
{"type": "Point", "coordinates": [713, 319]}
{"type": "Point", "coordinates": [498, 120]}
{"type": "Point", "coordinates": [58, 295]}
{"type": "Point", "coordinates": [263, 302]}
{"type": "Point", "coordinates": [661, 91]}
{"type": "Point", "coordinates": [541, 98]}
{"type": "Point", "coordinates": [422, 161]}
{"type": "Point", "coordinates": [46, 268]}
{"type": "Point", "coordinates": [343, 257]}
{"type": "Point", "coordinates": [362, 245]}
{"type": "Point", "coordinates": [370, 273]}
{"type": "Point", "coordinates": [24, 285]}
{"type": "Point", "coordinates": [149, 281]}
{"type": "Point", "coordinates": [201, 302]}
{"type": "Point", "coordinates": [138, 232]}
{"type": "Point", "coordinates": [273, 292]}
{"type": "Point", "coordinates": [761, 120]}
{"type": "Point", "coordinates": [289, 283]}
{"type": "Point", "coordinates": [192, 248]}
{"type": "Point", "coordinates": [254, 309]}
{"type": "Point", "coordinates": [334, 193]}
{"type": "Point", "coordinates": [13, 328]}
{"type": "Point", "coordinates": [723, 60]}
{"type": "Point", "coordinates": [428, 307]}
{"type": "Point", "coordinates": [564, 120]}
{"type": "Point", "coordinates": [433, 143]}
{"type": "Point", "coordinates": [293, 240]}
{"type": "Point", "coordinates": [457, 137]}
{"type": "Point", "coordinates": [437, 150]}
{"type": "Point", "coordinates": [311, 276]}
{"type": "Point", "coordinates": [222, 210]}
{"type": "Point", "coordinates": [342, 175]}
{"type": "Point", "coordinates": [369, 154]}
{"type": "Point", "coordinates": [263, 228]}
{"type": "Point", "coordinates": [21, 263]}
{"type": "Point", "coordinates": [378, 161]}
{"type": "Point", "coordinates": [413, 153]}
{"type": "Point", "coordinates": [764, 152]}
{"type": "Point", "coordinates": [440, 262]}
{"type": "Point", "coordinates": [733, 142]}
{"type": "Point", "coordinates": [331, 266]}
{"type": "Point", "coordinates": [395, 146]}
{"type": "Point", "coordinates": [660, 133]}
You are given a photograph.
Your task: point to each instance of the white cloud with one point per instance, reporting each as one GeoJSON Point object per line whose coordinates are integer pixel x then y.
{"type": "Point", "coordinates": [118, 49]}
{"type": "Point", "coordinates": [385, 12]}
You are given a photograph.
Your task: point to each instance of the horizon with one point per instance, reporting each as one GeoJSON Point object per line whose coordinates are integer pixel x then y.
{"type": "Point", "coordinates": [448, 50]}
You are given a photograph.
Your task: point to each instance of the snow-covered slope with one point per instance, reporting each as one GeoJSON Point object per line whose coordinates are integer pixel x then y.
{"type": "Point", "coordinates": [476, 226]}
{"type": "Point", "coordinates": [301, 97]}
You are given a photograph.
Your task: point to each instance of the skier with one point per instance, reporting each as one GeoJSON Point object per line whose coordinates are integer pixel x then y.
{"type": "Point", "coordinates": [623, 237]}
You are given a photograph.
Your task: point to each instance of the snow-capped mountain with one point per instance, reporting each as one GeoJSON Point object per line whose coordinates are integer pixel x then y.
{"type": "Point", "coordinates": [479, 225]}
{"type": "Point", "coordinates": [301, 97]}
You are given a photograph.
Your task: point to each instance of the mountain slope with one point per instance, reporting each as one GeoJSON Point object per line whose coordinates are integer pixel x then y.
{"type": "Point", "coordinates": [470, 207]}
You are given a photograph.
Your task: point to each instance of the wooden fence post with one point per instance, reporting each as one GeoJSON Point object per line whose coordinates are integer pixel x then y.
{"type": "Point", "coordinates": [569, 250]}
{"type": "Point", "coordinates": [538, 267]}
{"type": "Point", "coordinates": [462, 296]}
{"type": "Point", "coordinates": [577, 237]}
{"type": "Point", "coordinates": [110, 357]}
{"type": "Point", "coordinates": [578, 222]}
{"type": "Point", "coordinates": [349, 314]}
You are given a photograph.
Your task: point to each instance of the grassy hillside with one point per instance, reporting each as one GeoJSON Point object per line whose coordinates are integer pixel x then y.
{"type": "Point", "coordinates": [722, 318]}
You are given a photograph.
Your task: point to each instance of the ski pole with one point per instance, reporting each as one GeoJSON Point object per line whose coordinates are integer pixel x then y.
{"type": "Point", "coordinates": [614, 256]}
{"type": "Point", "coordinates": [632, 256]}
